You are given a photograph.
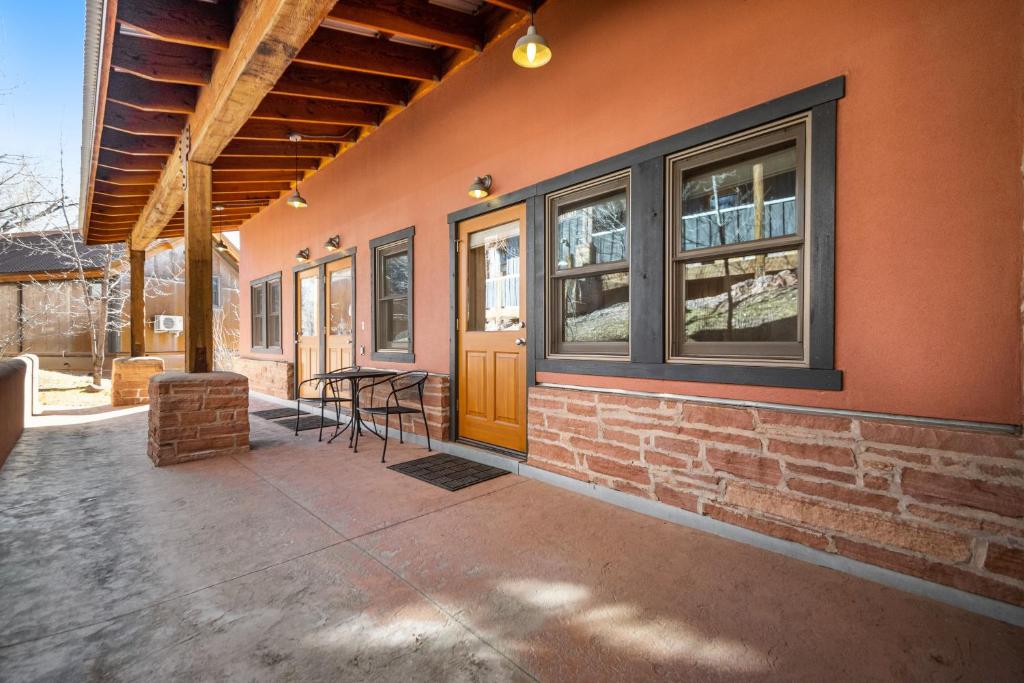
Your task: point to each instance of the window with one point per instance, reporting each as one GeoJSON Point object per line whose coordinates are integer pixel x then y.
{"type": "Point", "coordinates": [265, 311]}
{"type": "Point", "coordinates": [216, 291]}
{"type": "Point", "coordinates": [392, 293]}
{"type": "Point", "coordinates": [588, 283]}
{"type": "Point", "coordinates": [737, 284]}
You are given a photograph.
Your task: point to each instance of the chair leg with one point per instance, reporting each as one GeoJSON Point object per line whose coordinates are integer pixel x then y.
{"type": "Point", "coordinates": [298, 414]}
{"type": "Point", "coordinates": [387, 426]}
{"type": "Point", "coordinates": [321, 436]}
{"type": "Point", "coordinates": [426, 427]}
{"type": "Point", "coordinates": [401, 435]}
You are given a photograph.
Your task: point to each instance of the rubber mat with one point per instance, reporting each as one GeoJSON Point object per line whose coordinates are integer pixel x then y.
{"type": "Point", "coordinates": [448, 471]}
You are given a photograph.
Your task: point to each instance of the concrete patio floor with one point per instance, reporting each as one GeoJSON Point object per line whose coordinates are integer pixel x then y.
{"type": "Point", "coordinates": [302, 561]}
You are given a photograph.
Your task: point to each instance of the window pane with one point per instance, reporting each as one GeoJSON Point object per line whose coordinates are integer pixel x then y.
{"type": "Point", "coordinates": [493, 287]}
{"type": "Point", "coordinates": [740, 200]}
{"type": "Point", "coordinates": [274, 314]}
{"type": "Point", "coordinates": [394, 324]}
{"type": "Point", "coordinates": [596, 308]}
{"type": "Point", "coordinates": [258, 309]}
{"type": "Point", "coordinates": [592, 231]}
{"type": "Point", "coordinates": [752, 298]}
{"type": "Point", "coordinates": [341, 302]}
{"type": "Point", "coordinates": [307, 313]}
{"type": "Point", "coordinates": [395, 273]}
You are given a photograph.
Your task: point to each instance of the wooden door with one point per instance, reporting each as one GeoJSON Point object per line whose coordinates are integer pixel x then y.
{"type": "Point", "coordinates": [339, 303]}
{"type": "Point", "coordinates": [307, 328]}
{"type": "Point", "coordinates": [492, 328]}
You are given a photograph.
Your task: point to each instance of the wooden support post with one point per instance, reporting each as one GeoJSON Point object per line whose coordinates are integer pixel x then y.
{"type": "Point", "coordinates": [198, 268]}
{"type": "Point", "coordinates": [137, 310]}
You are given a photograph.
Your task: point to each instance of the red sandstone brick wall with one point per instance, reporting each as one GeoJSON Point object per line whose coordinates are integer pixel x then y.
{"type": "Point", "coordinates": [271, 377]}
{"type": "Point", "coordinates": [198, 415]}
{"type": "Point", "coordinates": [129, 384]}
{"type": "Point", "coordinates": [940, 504]}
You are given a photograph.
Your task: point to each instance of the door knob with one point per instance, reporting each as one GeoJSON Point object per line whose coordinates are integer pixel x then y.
{"type": "Point", "coordinates": [520, 341]}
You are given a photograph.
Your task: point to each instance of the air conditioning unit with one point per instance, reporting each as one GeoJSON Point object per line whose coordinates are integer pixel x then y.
{"type": "Point", "coordinates": [168, 323]}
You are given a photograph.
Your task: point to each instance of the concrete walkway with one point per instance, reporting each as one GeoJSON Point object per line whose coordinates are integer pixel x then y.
{"type": "Point", "coordinates": [302, 561]}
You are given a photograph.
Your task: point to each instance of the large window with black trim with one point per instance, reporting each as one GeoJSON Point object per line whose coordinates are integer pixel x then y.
{"type": "Point", "coordinates": [265, 313]}
{"type": "Point", "coordinates": [392, 295]}
{"type": "Point", "coordinates": [588, 268]}
{"type": "Point", "coordinates": [736, 285]}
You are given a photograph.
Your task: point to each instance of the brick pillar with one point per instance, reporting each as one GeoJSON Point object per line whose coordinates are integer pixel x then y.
{"type": "Point", "coordinates": [129, 379]}
{"type": "Point", "coordinates": [197, 415]}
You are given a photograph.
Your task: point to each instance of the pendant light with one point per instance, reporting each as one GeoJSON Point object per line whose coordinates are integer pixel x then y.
{"type": "Point", "coordinates": [296, 201]}
{"type": "Point", "coordinates": [531, 51]}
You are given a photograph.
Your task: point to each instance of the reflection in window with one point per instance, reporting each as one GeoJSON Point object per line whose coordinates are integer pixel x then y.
{"type": "Point", "coordinates": [750, 298]}
{"type": "Point", "coordinates": [588, 238]}
{"type": "Point", "coordinates": [392, 289]}
{"type": "Point", "coordinates": [341, 301]}
{"type": "Point", "coordinates": [493, 291]}
{"type": "Point", "coordinates": [307, 311]}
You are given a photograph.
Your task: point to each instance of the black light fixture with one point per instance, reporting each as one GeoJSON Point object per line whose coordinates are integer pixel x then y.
{"type": "Point", "coordinates": [332, 243]}
{"type": "Point", "coordinates": [296, 200]}
{"type": "Point", "coordinates": [481, 187]}
{"type": "Point", "coordinates": [220, 246]}
{"type": "Point", "coordinates": [531, 51]}
{"type": "Point", "coordinates": [302, 255]}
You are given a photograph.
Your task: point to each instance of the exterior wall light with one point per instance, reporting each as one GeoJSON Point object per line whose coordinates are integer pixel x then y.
{"type": "Point", "coordinates": [296, 201]}
{"type": "Point", "coordinates": [302, 255]}
{"type": "Point", "coordinates": [333, 243]}
{"type": "Point", "coordinates": [531, 51]}
{"type": "Point", "coordinates": [481, 187]}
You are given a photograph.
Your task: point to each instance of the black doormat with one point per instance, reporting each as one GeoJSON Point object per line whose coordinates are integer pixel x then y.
{"type": "Point", "coordinates": [448, 471]}
{"type": "Point", "coordinates": [274, 413]}
{"type": "Point", "coordinates": [305, 422]}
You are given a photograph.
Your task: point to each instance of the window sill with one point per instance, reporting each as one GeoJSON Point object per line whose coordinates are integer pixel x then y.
{"type": "Point", "coordinates": [393, 356]}
{"type": "Point", "coordinates": [759, 375]}
{"type": "Point", "coordinates": [266, 349]}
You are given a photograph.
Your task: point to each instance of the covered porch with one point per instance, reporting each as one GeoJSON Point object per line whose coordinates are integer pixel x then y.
{"type": "Point", "coordinates": [300, 562]}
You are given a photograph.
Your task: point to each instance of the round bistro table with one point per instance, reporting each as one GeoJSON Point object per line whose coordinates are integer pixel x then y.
{"type": "Point", "coordinates": [354, 377]}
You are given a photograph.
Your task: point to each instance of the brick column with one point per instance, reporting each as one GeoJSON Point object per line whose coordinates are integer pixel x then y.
{"type": "Point", "coordinates": [129, 379]}
{"type": "Point", "coordinates": [193, 416]}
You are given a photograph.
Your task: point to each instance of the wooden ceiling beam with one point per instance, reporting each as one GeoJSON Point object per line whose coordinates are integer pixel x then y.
{"type": "Point", "coordinates": [243, 196]}
{"type": "Point", "coordinates": [185, 22]}
{"type": "Point", "coordinates": [112, 190]}
{"type": "Point", "coordinates": [273, 148]}
{"type": "Point", "coordinates": [119, 202]}
{"type": "Point", "coordinates": [156, 60]}
{"type": "Point", "coordinates": [109, 175]}
{"type": "Point", "coordinates": [110, 212]}
{"type": "Point", "coordinates": [416, 19]}
{"type": "Point", "coordinates": [294, 109]}
{"type": "Point", "coordinates": [139, 145]}
{"type": "Point", "coordinates": [524, 6]}
{"type": "Point", "coordinates": [139, 93]}
{"type": "Point", "coordinates": [264, 164]}
{"type": "Point", "coordinates": [256, 129]}
{"type": "Point", "coordinates": [130, 162]}
{"type": "Point", "coordinates": [267, 37]}
{"type": "Point", "coordinates": [138, 122]}
{"type": "Point", "coordinates": [247, 176]}
{"type": "Point", "coordinates": [279, 186]}
{"type": "Point", "coordinates": [340, 50]}
{"type": "Point", "coordinates": [342, 86]}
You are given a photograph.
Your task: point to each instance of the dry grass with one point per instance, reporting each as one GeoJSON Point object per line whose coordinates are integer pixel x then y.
{"type": "Point", "coordinates": [69, 390]}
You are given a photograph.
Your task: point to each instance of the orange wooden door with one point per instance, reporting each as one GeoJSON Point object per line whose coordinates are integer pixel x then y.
{"type": "Point", "coordinates": [492, 328]}
{"type": "Point", "coordinates": [307, 328]}
{"type": "Point", "coordinates": [338, 306]}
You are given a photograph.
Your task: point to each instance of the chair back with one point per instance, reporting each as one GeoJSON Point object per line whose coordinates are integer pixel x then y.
{"type": "Point", "coordinates": [406, 382]}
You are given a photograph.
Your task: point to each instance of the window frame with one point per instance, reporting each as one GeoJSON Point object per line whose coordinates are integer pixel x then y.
{"type": "Point", "coordinates": [578, 194]}
{"type": "Point", "coordinates": [737, 147]}
{"type": "Point", "coordinates": [388, 245]}
{"type": "Point", "coordinates": [215, 293]}
{"type": "Point", "coordinates": [265, 284]}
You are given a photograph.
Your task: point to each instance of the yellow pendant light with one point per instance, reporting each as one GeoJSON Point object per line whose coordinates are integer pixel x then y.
{"type": "Point", "coordinates": [531, 51]}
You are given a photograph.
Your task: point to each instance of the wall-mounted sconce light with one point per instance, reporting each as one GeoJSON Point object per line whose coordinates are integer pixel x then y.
{"type": "Point", "coordinates": [332, 243]}
{"type": "Point", "coordinates": [296, 200]}
{"type": "Point", "coordinates": [531, 51]}
{"type": "Point", "coordinates": [481, 187]}
{"type": "Point", "coordinates": [302, 255]}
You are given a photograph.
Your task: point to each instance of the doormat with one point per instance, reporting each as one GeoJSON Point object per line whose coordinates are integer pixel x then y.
{"type": "Point", "coordinates": [447, 471]}
{"type": "Point", "coordinates": [305, 422]}
{"type": "Point", "coordinates": [274, 413]}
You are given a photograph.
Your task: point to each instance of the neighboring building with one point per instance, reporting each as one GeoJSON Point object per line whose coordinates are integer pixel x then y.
{"type": "Point", "coordinates": [42, 307]}
{"type": "Point", "coordinates": [735, 259]}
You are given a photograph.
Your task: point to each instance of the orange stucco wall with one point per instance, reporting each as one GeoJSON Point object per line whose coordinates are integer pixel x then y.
{"type": "Point", "coordinates": [928, 254]}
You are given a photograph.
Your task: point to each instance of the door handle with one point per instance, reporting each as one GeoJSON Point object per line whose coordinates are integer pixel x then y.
{"type": "Point", "coordinates": [520, 341]}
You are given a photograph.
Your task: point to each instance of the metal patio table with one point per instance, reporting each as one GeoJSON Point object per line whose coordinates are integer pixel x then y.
{"type": "Point", "coordinates": [354, 377]}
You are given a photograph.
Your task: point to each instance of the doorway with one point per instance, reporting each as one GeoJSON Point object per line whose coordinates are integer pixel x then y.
{"type": "Point", "coordinates": [324, 311]}
{"type": "Point", "coordinates": [491, 329]}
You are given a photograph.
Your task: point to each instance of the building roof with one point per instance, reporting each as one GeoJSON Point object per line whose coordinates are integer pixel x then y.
{"type": "Point", "coordinates": [35, 253]}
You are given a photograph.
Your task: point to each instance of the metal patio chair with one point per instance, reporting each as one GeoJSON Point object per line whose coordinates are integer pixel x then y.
{"type": "Point", "coordinates": [404, 382]}
{"type": "Point", "coordinates": [330, 391]}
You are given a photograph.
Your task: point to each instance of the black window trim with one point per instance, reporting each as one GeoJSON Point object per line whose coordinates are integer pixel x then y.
{"type": "Point", "coordinates": [263, 282]}
{"type": "Point", "coordinates": [405, 234]}
{"type": "Point", "coordinates": [647, 251]}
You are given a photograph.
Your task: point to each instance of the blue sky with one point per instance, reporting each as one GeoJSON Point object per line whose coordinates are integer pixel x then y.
{"type": "Point", "coordinates": [41, 83]}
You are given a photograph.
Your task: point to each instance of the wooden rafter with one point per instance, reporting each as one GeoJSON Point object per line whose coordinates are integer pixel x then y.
{"type": "Point", "coordinates": [186, 22]}
{"type": "Point", "coordinates": [146, 95]}
{"type": "Point", "coordinates": [129, 162]}
{"type": "Point", "coordinates": [284, 108]}
{"type": "Point", "coordinates": [144, 145]}
{"type": "Point", "coordinates": [343, 86]}
{"type": "Point", "coordinates": [416, 19]}
{"type": "Point", "coordinates": [273, 148]}
{"type": "Point", "coordinates": [341, 50]}
{"type": "Point", "coordinates": [157, 60]}
{"type": "Point", "coordinates": [264, 164]}
{"type": "Point", "coordinates": [109, 175]}
{"type": "Point", "coordinates": [256, 129]}
{"type": "Point", "coordinates": [138, 122]}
